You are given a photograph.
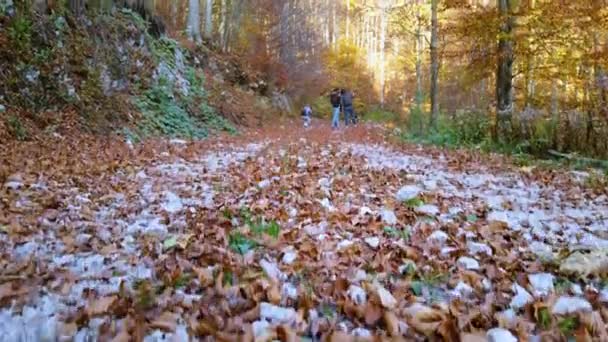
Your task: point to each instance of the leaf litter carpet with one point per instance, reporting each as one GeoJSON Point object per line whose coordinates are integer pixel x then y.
{"type": "Point", "coordinates": [288, 234]}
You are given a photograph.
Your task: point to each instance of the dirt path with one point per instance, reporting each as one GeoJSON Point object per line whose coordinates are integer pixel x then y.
{"type": "Point", "coordinates": [288, 232]}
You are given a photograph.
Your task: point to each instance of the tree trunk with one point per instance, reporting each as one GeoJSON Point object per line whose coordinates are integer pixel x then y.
{"type": "Point", "coordinates": [77, 7]}
{"type": "Point", "coordinates": [223, 24]}
{"type": "Point", "coordinates": [504, 73]}
{"type": "Point", "coordinates": [419, 48]}
{"type": "Point", "coordinates": [434, 64]}
{"type": "Point", "coordinates": [347, 19]}
{"type": "Point", "coordinates": [383, 29]}
{"type": "Point", "coordinates": [194, 21]}
{"type": "Point", "coordinates": [208, 19]}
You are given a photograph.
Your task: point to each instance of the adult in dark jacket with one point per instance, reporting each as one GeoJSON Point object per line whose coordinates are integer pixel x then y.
{"type": "Point", "coordinates": [347, 105]}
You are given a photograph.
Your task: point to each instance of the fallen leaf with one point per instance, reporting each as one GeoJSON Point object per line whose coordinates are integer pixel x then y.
{"type": "Point", "coordinates": [100, 306]}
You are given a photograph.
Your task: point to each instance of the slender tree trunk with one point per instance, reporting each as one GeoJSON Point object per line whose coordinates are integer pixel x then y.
{"type": "Point", "coordinates": [383, 29]}
{"type": "Point", "coordinates": [208, 19]}
{"type": "Point", "coordinates": [434, 64]}
{"type": "Point", "coordinates": [347, 19]}
{"type": "Point", "coordinates": [223, 24]}
{"type": "Point", "coordinates": [194, 21]}
{"type": "Point", "coordinates": [334, 25]}
{"type": "Point", "coordinates": [504, 73]}
{"type": "Point", "coordinates": [419, 48]}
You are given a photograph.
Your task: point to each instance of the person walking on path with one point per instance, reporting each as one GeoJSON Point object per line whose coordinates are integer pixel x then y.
{"type": "Point", "coordinates": [347, 106]}
{"type": "Point", "coordinates": [336, 102]}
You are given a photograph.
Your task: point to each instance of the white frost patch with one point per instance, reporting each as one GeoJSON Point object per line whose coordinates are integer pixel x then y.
{"type": "Point", "coordinates": [276, 314]}
{"type": "Point", "coordinates": [521, 298]}
{"type": "Point", "coordinates": [373, 242]}
{"type": "Point", "coordinates": [500, 335]}
{"type": "Point", "coordinates": [567, 305]}
{"type": "Point", "coordinates": [542, 283]}
{"type": "Point", "coordinates": [388, 217]}
{"type": "Point", "coordinates": [439, 237]}
{"type": "Point", "coordinates": [357, 295]}
{"type": "Point", "coordinates": [272, 270]}
{"type": "Point", "coordinates": [407, 193]}
{"type": "Point", "coordinates": [428, 209]}
{"type": "Point", "coordinates": [479, 248]}
{"type": "Point", "coordinates": [289, 255]}
{"type": "Point", "coordinates": [35, 323]}
{"type": "Point", "coordinates": [468, 263]}
{"type": "Point", "coordinates": [173, 203]}
{"type": "Point", "coordinates": [462, 289]}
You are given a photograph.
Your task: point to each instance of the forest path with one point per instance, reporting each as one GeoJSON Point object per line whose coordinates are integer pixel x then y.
{"type": "Point", "coordinates": [286, 232]}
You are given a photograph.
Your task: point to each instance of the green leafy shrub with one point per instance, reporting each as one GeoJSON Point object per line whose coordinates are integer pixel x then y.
{"type": "Point", "coordinates": [16, 128]}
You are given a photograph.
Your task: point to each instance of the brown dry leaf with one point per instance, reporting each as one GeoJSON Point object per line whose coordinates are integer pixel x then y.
{"type": "Point", "coordinates": [392, 323]}
{"type": "Point", "coordinates": [466, 337]}
{"type": "Point", "coordinates": [274, 294]}
{"type": "Point", "coordinates": [427, 321]}
{"type": "Point", "coordinates": [338, 336]}
{"type": "Point", "coordinates": [100, 306]}
{"type": "Point", "coordinates": [122, 336]}
{"type": "Point", "coordinates": [286, 334]}
{"type": "Point", "coordinates": [373, 313]}
{"type": "Point", "coordinates": [10, 290]}
{"type": "Point", "coordinates": [167, 321]}
{"type": "Point", "coordinates": [386, 298]}
{"type": "Point", "coordinates": [448, 330]}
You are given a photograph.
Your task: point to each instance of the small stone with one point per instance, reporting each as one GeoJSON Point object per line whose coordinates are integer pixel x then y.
{"type": "Point", "coordinates": [388, 217]}
{"type": "Point", "coordinates": [438, 237]}
{"type": "Point", "coordinates": [82, 239]}
{"type": "Point", "coordinates": [173, 203]}
{"type": "Point", "coordinates": [407, 193]}
{"type": "Point", "coordinates": [373, 242]}
{"type": "Point", "coordinates": [272, 270]}
{"type": "Point", "coordinates": [276, 314]}
{"type": "Point", "coordinates": [325, 203]}
{"type": "Point", "coordinates": [521, 298]}
{"type": "Point", "coordinates": [577, 290]}
{"type": "Point", "coordinates": [500, 335]}
{"type": "Point", "coordinates": [462, 289]}
{"type": "Point", "coordinates": [344, 244]}
{"type": "Point", "coordinates": [500, 216]}
{"type": "Point", "coordinates": [507, 316]}
{"type": "Point", "coordinates": [178, 142]}
{"type": "Point", "coordinates": [264, 184]}
{"type": "Point", "coordinates": [603, 295]}
{"type": "Point", "coordinates": [486, 284]}
{"type": "Point", "coordinates": [479, 248]}
{"type": "Point", "coordinates": [542, 251]}
{"type": "Point", "coordinates": [428, 209]}
{"type": "Point", "coordinates": [446, 251]}
{"type": "Point", "coordinates": [357, 295]}
{"type": "Point", "coordinates": [2, 108]}
{"type": "Point", "coordinates": [365, 211]}
{"type": "Point", "coordinates": [362, 332]}
{"type": "Point", "coordinates": [289, 256]}
{"type": "Point", "coordinates": [261, 329]}
{"type": "Point", "coordinates": [468, 263]}
{"type": "Point", "coordinates": [568, 305]}
{"type": "Point", "coordinates": [289, 291]}
{"type": "Point", "coordinates": [542, 283]}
